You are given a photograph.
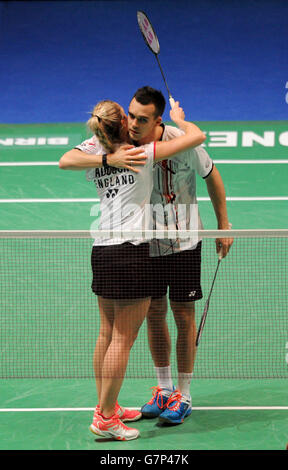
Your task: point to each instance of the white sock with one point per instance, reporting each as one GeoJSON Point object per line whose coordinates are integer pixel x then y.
{"type": "Point", "coordinates": [184, 381]}
{"type": "Point", "coordinates": [164, 377]}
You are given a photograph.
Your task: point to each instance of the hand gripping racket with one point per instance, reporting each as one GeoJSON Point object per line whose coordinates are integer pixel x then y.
{"type": "Point", "coordinates": [152, 42]}
{"type": "Point", "coordinates": [206, 307]}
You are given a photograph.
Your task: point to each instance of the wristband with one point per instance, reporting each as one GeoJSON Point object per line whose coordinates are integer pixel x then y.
{"type": "Point", "coordinates": [104, 161]}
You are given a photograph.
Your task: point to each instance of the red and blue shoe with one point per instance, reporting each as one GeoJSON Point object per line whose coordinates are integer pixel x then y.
{"type": "Point", "coordinates": [177, 409]}
{"type": "Point", "coordinates": [157, 404]}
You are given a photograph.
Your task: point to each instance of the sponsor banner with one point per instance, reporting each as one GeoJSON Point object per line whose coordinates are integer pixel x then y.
{"type": "Point", "coordinates": [225, 139]}
{"type": "Point", "coordinates": [39, 142]}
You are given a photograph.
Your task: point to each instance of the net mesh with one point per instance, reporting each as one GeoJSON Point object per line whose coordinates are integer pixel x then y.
{"type": "Point", "coordinates": [50, 318]}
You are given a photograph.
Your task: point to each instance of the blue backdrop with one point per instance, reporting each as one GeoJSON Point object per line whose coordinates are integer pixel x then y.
{"type": "Point", "coordinates": [224, 59]}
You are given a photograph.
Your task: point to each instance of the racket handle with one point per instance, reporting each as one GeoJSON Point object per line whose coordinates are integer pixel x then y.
{"type": "Point", "coordinates": [220, 254]}
{"type": "Point", "coordinates": [171, 101]}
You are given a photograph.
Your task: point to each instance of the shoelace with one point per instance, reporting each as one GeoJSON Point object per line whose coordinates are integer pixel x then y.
{"type": "Point", "coordinates": [174, 397]}
{"type": "Point", "coordinates": [157, 390]}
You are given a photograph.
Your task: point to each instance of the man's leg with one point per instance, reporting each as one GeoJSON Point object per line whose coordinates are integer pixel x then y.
{"type": "Point", "coordinates": [158, 333]}
{"type": "Point", "coordinates": [160, 347]}
{"type": "Point", "coordinates": [184, 315]}
{"type": "Point", "coordinates": [179, 404]}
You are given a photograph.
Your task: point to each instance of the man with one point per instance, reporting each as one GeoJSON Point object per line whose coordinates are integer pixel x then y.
{"type": "Point", "coordinates": [174, 186]}
{"type": "Point", "coordinates": [175, 262]}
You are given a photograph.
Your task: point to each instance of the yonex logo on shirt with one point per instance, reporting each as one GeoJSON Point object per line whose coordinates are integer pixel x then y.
{"type": "Point", "coordinates": [112, 192]}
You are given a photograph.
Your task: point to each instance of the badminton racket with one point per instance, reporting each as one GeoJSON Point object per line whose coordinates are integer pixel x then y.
{"type": "Point", "coordinates": [152, 42]}
{"type": "Point", "coordinates": [206, 307]}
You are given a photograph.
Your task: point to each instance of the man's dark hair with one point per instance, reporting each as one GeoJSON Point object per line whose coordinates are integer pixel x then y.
{"type": "Point", "coordinates": [148, 95]}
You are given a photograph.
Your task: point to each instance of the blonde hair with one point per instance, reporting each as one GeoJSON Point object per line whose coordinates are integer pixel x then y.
{"type": "Point", "coordinates": [105, 123]}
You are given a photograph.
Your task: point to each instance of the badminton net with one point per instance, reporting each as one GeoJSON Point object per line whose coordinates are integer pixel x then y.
{"type": "Point", "coordinates": [50, 317]}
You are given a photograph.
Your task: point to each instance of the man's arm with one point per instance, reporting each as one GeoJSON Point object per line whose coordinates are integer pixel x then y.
{"type": "Point", "coordinates": [126, 156]}
{"type": "Point", "coordinates": [217, 195]}
{"type": "Point", "coordinates": [192, 137]}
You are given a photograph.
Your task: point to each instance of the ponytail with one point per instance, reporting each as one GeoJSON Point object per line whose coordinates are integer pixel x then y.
{"type": "Point", "coordinates": [105, 123]}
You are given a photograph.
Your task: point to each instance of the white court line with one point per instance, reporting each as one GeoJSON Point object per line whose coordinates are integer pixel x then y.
{"type": "Point", "coordinates": [231, 162]}
{"type": "Point", "coordinates": [259, 162]}
{"type": "Point", "coordinates": [6, 201]}
{"type": "Point", "coordinates": [198, 408]}
{"type": "Point", "coordinates": [29, 163]}
{"type": "Point", "coordinates": [52, 200]}
{"type": "Point", "coordinates": [55, 200]}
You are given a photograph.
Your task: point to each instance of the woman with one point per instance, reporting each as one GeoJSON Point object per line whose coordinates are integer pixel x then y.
{"type": "Point", "coordinates": [120, 266]}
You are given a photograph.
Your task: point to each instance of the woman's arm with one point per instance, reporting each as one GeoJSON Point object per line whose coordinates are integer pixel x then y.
{"type": "Point", "coordinates": [192, 138]}
{"type": "Point", "coordinates": [77, 160]}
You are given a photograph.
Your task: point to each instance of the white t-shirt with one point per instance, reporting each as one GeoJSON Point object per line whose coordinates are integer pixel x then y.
{"type": "Point", "coordinates": [174, 190]}
{"type": "Point", "coordinates": [124, 195]}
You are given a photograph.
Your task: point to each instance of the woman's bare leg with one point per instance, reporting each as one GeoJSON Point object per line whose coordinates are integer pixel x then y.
{"type": "Point", "coordinates": [106, 309]}
{"type": "Point", "coordinates": [128, 318]}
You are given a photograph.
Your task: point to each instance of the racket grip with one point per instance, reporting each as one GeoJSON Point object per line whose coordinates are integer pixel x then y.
{"type": "Point", "coordinates": [171, 101]}
{"type": "Point", "coordinates": [220, 254]}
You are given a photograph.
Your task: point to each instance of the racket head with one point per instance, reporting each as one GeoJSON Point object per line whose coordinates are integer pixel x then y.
{"type": "Point", "coordinates": [148, 33]}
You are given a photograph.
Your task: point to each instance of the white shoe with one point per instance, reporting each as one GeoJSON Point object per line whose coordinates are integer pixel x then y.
{"type": "Point", "coordinates": [112, 427]}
